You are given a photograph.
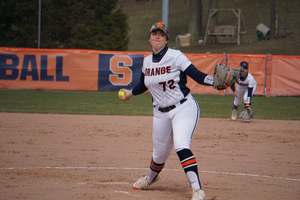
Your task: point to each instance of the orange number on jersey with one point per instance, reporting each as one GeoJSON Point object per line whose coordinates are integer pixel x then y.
{"type": "Point", "coordinates": [117, 69]}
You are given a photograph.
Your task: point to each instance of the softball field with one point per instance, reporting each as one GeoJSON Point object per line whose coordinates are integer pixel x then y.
{"type": "Point", "coordinates": [52, 156]}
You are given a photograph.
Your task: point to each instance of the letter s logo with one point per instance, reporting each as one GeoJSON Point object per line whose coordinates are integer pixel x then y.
{"type": "Point", "coordinates": [122, 73]}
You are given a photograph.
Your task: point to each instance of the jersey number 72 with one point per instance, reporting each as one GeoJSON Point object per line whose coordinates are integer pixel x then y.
{"type": "Point", "coordinates": [170, 84]}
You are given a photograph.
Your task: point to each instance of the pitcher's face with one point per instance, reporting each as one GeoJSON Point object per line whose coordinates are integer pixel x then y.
{"type": "Point", "coordinates": [158, 40]}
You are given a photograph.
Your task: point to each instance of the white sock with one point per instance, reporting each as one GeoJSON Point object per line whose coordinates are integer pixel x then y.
{"type": "Point", "coordinates": [193, 178]}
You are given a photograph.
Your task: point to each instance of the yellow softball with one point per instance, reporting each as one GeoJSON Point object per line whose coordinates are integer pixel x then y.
{"type": "Point", "coordinates": [121, 94]}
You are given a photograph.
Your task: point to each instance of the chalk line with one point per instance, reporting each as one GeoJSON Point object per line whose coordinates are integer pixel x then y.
{"type": "Point", "coordinates": [128, 168]}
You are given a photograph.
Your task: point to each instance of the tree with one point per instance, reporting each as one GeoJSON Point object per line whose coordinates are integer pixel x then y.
{"type": "Point", "coordinates": [214, 4]}
{"type": "Point", "coordinates": [195, 23]}
{"type": "Point", "coordinates": [272, 23]}
{"type": "Point", "coordinates": [17, 23]}
{"type": "Point", "coordinates": [74, 24]}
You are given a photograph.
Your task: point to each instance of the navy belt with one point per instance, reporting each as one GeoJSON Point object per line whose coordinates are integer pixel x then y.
{"type": "Point", "coordinates": [167, 109]}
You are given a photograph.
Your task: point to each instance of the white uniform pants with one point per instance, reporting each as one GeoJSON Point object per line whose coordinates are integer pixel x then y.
{"type": "Point", "coordinates": [243, 94]}
{"type": "Point", "coordinates": [174, 128]}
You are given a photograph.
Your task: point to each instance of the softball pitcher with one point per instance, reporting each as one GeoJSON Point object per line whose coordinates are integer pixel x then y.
{"type": "Point", "coordinates": [246, 86]}
{"type": "Point", "coordinates": [176, 112]}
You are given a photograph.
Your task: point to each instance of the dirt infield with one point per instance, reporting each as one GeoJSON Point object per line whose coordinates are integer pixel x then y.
{"type": "Point", "coordinates": [51, 156]}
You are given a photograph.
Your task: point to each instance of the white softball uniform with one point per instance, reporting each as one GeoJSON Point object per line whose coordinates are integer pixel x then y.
{"type": "Point", "coordinates": [174, 128]}
{"type": "Point", "coordinates": [176, 112]}
{"type": "Point", "coordinates": [242, 89]}
{"type": "Point", "coordinates": [163, 78]}
{"type": "Point", "coordinates": [166, 82]}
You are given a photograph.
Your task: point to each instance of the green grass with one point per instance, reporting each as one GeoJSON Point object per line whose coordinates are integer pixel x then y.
{"type": "Point", "coordinates": [108, 103]}
{"type": "Point", "coordinates": [142, 14]}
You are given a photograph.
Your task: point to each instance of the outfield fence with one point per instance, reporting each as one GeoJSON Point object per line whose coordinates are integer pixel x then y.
{"type": "Point", "coordinates": [92, 70]}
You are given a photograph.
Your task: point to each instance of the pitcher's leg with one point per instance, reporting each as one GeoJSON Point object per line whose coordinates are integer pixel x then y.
{"type": "Point", "coordinates": [184, 125]}
{"type": "Point", "coordinates": [162, 144]}
{"type": "Point", "coordinates": [162, 147]}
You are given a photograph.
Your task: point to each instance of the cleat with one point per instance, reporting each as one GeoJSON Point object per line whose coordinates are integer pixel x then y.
{"type": "Point", "coordinates": [142, 183]}
{"type": "Point", "coordinates": [234, 114]}
{"type": "Point", "coordinates": [198, 195]}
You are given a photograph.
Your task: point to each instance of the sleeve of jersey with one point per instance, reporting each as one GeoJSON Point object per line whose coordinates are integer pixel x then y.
{"type": "Point", "coordinates": [198, 76]}
{"type": "Point", "coordinates": [250, 90]}
{"type": "Point", "coordinates": [232, 88]}
{"type": "Point", "coordinates": [249, 97]}
{"type": "Point", "coordinates": [140, 87]}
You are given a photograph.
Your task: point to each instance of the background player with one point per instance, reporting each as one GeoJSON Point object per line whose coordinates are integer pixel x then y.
{"type": "Point", "coordinates": [246, 86]}
{"type": "Point", "coordinates": [176, 112]}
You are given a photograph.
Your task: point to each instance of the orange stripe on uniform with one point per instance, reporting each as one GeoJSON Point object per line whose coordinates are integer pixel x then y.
{"type": "Point", "coordinates": [155, 167]}
{"type": "Point", "coordinates": [188, 162]}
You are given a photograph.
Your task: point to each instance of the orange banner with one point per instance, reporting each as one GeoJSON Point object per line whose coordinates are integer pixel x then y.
{"type": "Point", "coordinates": [285, 75]}
{"type": "Point", "coordinates": [84, 74]}
{"type": "Point", "coordinates": [206, 64]}
{"type": "Point", "coordinates": [48, 69]}
{"type": "Point", "coordinates": [92, 70]}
